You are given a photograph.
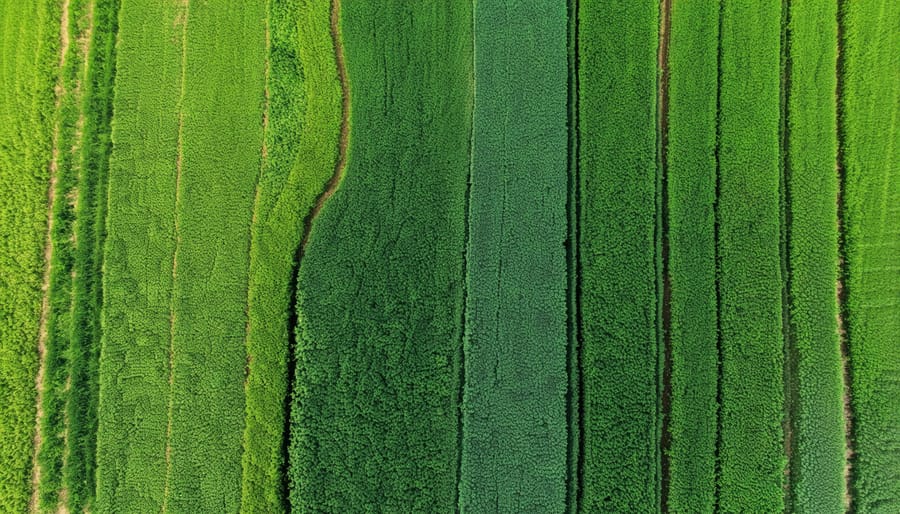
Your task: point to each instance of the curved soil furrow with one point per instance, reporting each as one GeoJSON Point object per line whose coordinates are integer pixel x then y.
{"type": "Point", "coordinates": [332, 185]}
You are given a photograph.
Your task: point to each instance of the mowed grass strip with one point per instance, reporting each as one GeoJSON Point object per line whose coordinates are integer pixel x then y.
{"type": "Point", "coordinates": [870, 137]}
{"type": "Point", "coordinates": [29, 56]}
{"type": "Point", "coordinates": [304, 116]}
{"type": "Point", "coordinates": [220, 151]}
{"type": "Point", "coordinates": [137, 273]}
{"type": "Point", "coordinates": [817, 464]}
{"type": "Point", "coordinates": [374, 413]}
{"type": "Point", "coordinates": [514, 407]}
{"type": "Point", "coordinates": [691, 190]}
{"type": "Point", "coordinates": [751, 451]}
{"type": "Point", "coordinates": [618, 250]}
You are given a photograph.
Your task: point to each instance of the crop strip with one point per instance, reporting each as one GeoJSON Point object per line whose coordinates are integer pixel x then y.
{"type": "Point", "coordinates": [665, 323]}
{"type": "Point", "coordinates": [185, 6]}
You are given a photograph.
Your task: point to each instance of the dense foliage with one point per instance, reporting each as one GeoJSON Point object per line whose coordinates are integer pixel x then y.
{"type": "Point", "coordinates": [514, 408]}
{"type": "Point", "coordinates": [870, 110]}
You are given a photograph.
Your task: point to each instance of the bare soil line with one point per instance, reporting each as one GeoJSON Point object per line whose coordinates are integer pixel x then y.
{"type": "Point", "coordinates": [182, 20]}
{"type": "Point", "coordinates": [665, 26]}
{"type": "Point", "coordinates": [263, 161]}
{"type": "Point", "coordinates": [335, 180]}
{"type": "Point", "coordinates": [48, 255]}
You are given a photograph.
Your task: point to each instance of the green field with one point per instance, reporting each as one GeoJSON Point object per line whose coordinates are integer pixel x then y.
{"type": "Point", "coordinates": [514, 401]}
{"type": "Point", "coordinates": [869, 111]}
{"type": "Point", "coordinates": [561, 256]}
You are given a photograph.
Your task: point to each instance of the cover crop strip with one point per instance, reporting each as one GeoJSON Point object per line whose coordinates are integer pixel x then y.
{"type": "Point", "coordinates": [219, 161]}
{"type": "Point", "coordinates": [374, 413]}
{"type": "Point", "coordinates": [29, 59]}
{"type": "Point", "coordinates": [302, 124]}
{"type": "Point", "coordinates": [751, 453]}
{"type": "Point", "coordinates": [619, 262]}
{"type": "Point", "coordinates": [817, 456]}
{"type": "Point", "coordinates": [137, 274]}
{"type": "Point", "coordinates": [691, 192]}
{"type": "Point", "coordinates": [870, 109]}
{"type": "Point", "coordinates": [514, 407]}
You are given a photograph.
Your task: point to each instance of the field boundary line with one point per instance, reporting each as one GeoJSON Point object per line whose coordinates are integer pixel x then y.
{"type": "Point", "coordinates": [718, 257]}
{"type": "Point", "coordinates": [790, 350]}
{"type": "Point", "coordinates": [574, 457]}
{"type": "Point", "coordinates": [841, 290]}
{"type": "Point", "coordinates": [40, 378]}
{"type": "Point", "coordinates": [664, 325]}
{"type": "Point", "coordinates": [182, 18]}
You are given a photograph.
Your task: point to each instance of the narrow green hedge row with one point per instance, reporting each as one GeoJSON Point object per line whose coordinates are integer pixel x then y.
{"type": "Point", "coordinates": [374, 418]}
{"type": "Point", "coordinates": [29, 58]}
{"type": "Point", "coordinates": [870, 108]}
{"type": "Point", "coordinates": [691, 198]}
{"type": "Point", "coordinates": [304, 116]}
{"type": "Point", "coordinates": [618, 252]}
{"type": "Point", "coordinates": [817, 459]}
{"type": "Point", "coordinates": [514, 412]}
{"type": "Point", "coordinates": [751, 453]}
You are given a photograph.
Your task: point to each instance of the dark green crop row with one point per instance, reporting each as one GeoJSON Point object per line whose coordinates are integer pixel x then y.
{"type": "Point", "coordinates": [514, 408]}
{"type": "Point", "coordinates": [29, 58]}
{"type": "Point", "coordinates": [618, 253]}
{"type": "Point", "coordinates": [870, 136]}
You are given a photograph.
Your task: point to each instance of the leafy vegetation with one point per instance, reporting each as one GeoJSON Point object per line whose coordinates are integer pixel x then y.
{"type": "Point", "coordinates": [304, 116]}
{"type": "Point", "coordinates": [514, 411]}
{"type": "Point", "coordinates": [374, 418]}
{"type": "Point", "coordinates": [817, 459]}
{"type": "Point", "coordinates": [618, 253]}
{"type": "Point", "coordinates": [870, 107]}
{"type": "Point", "coordinates": [29, 57]}
{"type": "Point", "coordinates": [691, 198]}
{"type": "Point", "coordinates": [751, 451]}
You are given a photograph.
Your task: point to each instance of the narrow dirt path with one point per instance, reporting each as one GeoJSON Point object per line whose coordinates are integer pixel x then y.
{"type": "Point", "coordinates": [335, 180]}
{"type": "Point", "coordinates": [181, 20]}
{"type": "Point", "coordinates": [665, 26]}
{"type": "Point", "coordinates": [48, 255]}
{"type": "Point", "coordinates": [840, 289]}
